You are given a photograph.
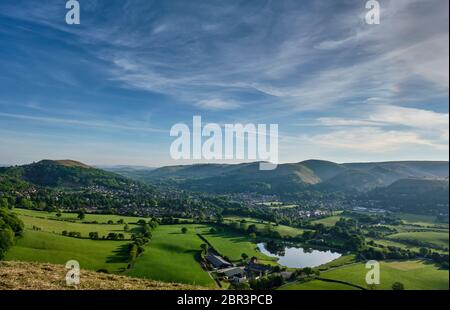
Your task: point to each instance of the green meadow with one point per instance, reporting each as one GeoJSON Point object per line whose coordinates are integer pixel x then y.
{"type": "Point", "coordinates": [431, 238]}
{"type": "Point", "coordinates": [45, 247]}
{"type": "Point", "coordinates": [100, 218]}
{"type": "Point", "coordinates": [285, 231]}
{"type": "Point", "coordinates": [58, 226]}
{"type": "Point", "coordinates": [232, 245]}
{"type": "Point", "coordinates": [172, 256]}
{"type": "Point", "coordinates": [328, 221]}
{"type": "Point", "coordinates": [414, 274]}
{"type": "Point", "coordinates": [421, 220]}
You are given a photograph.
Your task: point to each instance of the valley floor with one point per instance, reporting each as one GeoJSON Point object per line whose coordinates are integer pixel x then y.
{"type": "Point", "coordinates": [174, 256]}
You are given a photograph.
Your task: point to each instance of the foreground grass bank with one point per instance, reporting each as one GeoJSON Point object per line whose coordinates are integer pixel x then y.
{"type": "Point", "coordinates": [39, 276]}
{"type": "Point", "coordinates": [45, 247]}
{"type": "Point", "coordinates": [173, 256]}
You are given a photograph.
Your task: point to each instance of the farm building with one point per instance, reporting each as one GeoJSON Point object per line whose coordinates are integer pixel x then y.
{"type": "Point", "coordinates": [232, 272]}
{"type": "Point", "coordinates": [257, 270]}
{"type": "Point", "coordinates": [217, 261]}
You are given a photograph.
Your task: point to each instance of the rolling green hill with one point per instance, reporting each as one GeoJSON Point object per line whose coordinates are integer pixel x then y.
{"type": "Point", "coordinates": [414, 196]}
{"type": "Point", "coordinates": [63, 173]}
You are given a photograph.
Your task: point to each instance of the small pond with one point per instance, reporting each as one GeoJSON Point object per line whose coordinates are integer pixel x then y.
{"type": "Point", "coordinates": [295, 257]}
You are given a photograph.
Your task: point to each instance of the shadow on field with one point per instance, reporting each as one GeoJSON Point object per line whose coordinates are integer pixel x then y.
{"type": "Point", "coordinates": [197, 255]}
{"type": "Point", "coordinates": [120, 255]}
{"type": "Point", "coordinates": [230, 236]}
{"type": "Point", "coordinates": [136, 230]}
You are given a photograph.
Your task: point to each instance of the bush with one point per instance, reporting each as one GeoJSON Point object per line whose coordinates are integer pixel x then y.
{"type": "Point", "coordinates": [398, 286]}
{"type": "Point", "coordinates": [10, 227]}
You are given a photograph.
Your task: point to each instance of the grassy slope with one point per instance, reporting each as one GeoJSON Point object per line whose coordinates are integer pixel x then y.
{"type": "Point", "coordinates": [173, 257]}
{"type": "Point", "coordinates": [58, 226]}
{"type": "Point", "coordinates": [39, 246]}
{"type": "Point", "coordinates": [341, 261]}
{"type": "Point", "coordinates": [429, 237]}
{"type": "Point", "coordinates": [415, 275]}
{"type": "Point", "coordinates": [282, 229]}
{"type": "Point", "coordinates": [317, 285]}
{"type": "Point", "coordinates": [100, 218]}
{"type": "Point", "coordinates": [38, 276]}
{"type": "Point", "coordinates": [328, 221]}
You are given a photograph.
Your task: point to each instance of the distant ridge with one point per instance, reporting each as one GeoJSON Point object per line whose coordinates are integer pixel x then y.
{"type": "Point", "coordinates": [293, 177]}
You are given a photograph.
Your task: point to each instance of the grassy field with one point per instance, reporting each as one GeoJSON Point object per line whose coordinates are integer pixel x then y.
{"type": "Point", "coordinates": [233, 245]}
{"type": "Point", "coordinates": [439, 239]}
{"type": "Point", "coordinates": [422, 220]}
{"type": "Point", "coordinates": [170, 256]}
{"type": "Point", "coordinates": [40, 246]}
{"type": "Point", "coordinates": [317, 285]}
{"type": "Point", "coordinates": [260, 224]}
{"type": "Point", "coordinates": [173, 257]}
{"type": "Point", "coordinates": [100, 218]}
{"type": "Point", "coordinates": [58, 226]}
{"type": "Point", "coordinates": [415, 275]}
{"type": "Point", "coordinates": [341, 261]}
{"type": "Point", "coordinates": [328, 221]}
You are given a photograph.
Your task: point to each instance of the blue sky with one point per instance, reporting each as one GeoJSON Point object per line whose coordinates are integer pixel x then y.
{"type": "Point", "coordinates": [109, 90]}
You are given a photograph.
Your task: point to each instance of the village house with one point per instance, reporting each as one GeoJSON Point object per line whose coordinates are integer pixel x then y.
{"type": "Point", "coordinates": [255, 270]}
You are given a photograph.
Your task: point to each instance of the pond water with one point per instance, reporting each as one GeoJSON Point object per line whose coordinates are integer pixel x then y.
{"type": "Point", "coordinates": [294, 257]}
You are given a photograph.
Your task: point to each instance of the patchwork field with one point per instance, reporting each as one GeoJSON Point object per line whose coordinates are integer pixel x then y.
{"type": "Point", "coordinates": [45, 247]}
{"type": "Point", "coordinates": [172, 256]}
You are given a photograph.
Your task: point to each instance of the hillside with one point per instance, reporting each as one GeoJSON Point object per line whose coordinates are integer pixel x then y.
{"type": "Point", "coordinates": [63, 173]}
{"type": "Point", "coordinates": [290, 178]}
{"type": "Point", "coordinates": [38, 276]}
{"type": "Point", "coordinates": [413, 195]}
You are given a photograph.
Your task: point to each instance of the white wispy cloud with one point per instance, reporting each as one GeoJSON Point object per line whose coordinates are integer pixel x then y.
{"type": "Point", "coordinates": [82, 123]}
{"type": "Point", "coordinates": [218, 104]}
{"type": "Point", "coordinates": [368, 87]}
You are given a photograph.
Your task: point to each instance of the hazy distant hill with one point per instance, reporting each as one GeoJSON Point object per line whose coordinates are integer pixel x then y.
{"type": "Point", "coordinates": [135, 172]}
{"type": "Point", "coordinates": [316, 174]}
{"type": "Point", "coordinates": [63, 173]}
{"type": "Point", "coordinates": [414, 195]}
